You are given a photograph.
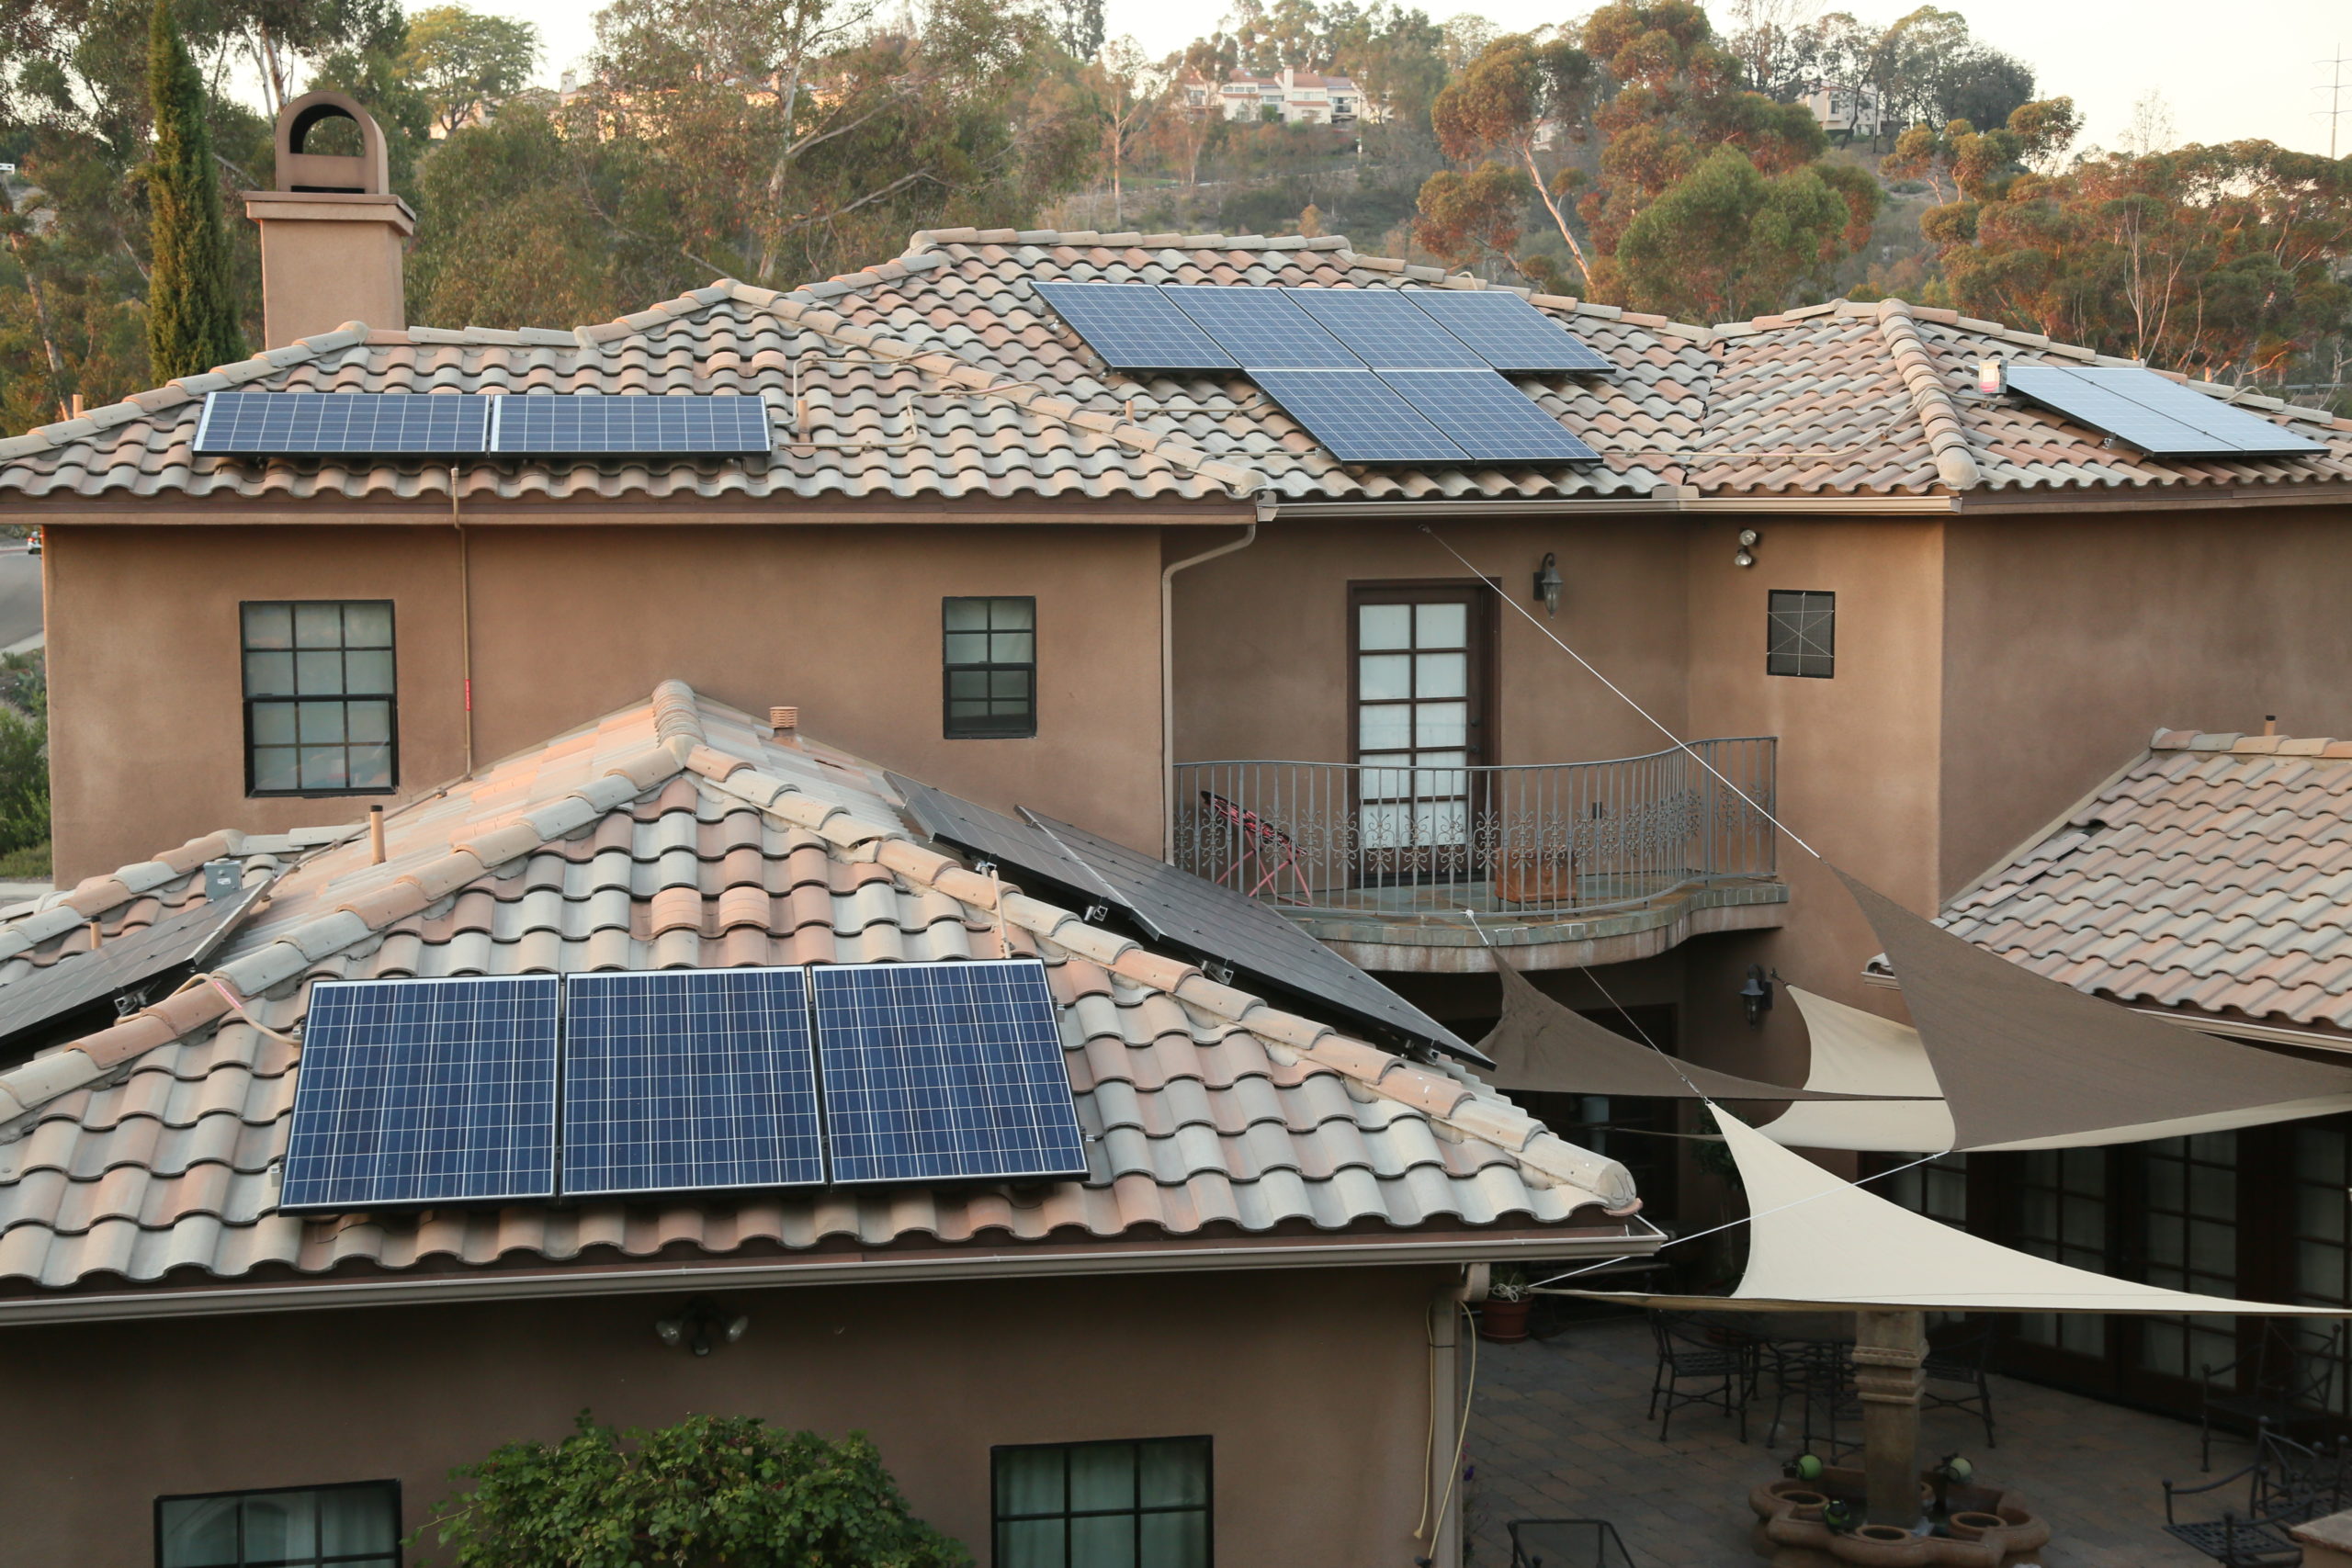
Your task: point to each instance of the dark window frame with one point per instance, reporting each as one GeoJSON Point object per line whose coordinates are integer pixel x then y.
{"type": "Point", "coordinates": [1806, 622]}
{"type": "Point", "coordinates": [397, 1555]}
{"type": "Point", "coordinates": [990, 727]}
{"type": "Point", "coordinates": [998, 1518]}
{"type": "Point", "coordinates": [253, 704]}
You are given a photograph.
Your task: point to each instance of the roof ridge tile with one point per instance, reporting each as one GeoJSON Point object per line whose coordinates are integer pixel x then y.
{"type": "Point", "coordinates": [1930, 399]}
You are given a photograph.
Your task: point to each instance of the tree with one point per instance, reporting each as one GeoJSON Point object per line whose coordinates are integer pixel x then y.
{"type": "Point", "coordinates": [1724, 242]}
{"type": "Point", "coordinates": [1128, 88]}
{"type": "Point", "coordinates": [710, 1492]}
{"type": "Point", "coordinates": [192, 304]}
{"type": "Point", "coordinates": [465, 63]}
{"type": "Point", "coordinates": [1078, 26]}
{"type": "Point", "coordinates": [1469, 218]}
{"type": "Point", "coordinates": [1513, 99]}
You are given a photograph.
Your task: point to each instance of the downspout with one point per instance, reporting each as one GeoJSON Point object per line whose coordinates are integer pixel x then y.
{"type": "Point", "coordinates": [1168, 668]}
{"type": "Point", "coordinates": [1438, 1538]}
{"type": "Point", "coordinates": [465, 618]}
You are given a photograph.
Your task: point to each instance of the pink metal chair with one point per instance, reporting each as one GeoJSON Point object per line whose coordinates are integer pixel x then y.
{"type": "Point", "coordinates": [1274, 850]}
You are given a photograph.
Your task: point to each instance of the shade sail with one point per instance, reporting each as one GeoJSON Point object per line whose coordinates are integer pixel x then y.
{"type": "Point", "coordinates": [1856, 1052]}
{"type": "Point", "coordinates": [1816, 1240]}
{"type": "Point", "coordinates": [1542, 1046]}
{"type": "Point", "coordinates": [2027, 1062]}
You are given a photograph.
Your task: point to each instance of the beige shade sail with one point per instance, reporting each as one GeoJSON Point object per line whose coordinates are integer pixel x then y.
{"type": "Point", "coordinates": [1856, 1052]}
{"type": "Point", "coordinates": [2027, 1062]}
{"type": "Point", "coordinates": [1815, 1240]}
{"type": "Point", "coordinates": [1540, 1046]}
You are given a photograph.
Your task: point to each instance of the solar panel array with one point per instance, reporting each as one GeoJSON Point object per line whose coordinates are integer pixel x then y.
{"type": "Point", "coordinates": [1340, 361]}
{"type": "Point", "coordinates": [940, 1071]}
{"type": "Point", "coordinates": [423, 1092]}
{"type": "Point", "coordinates": [2154, 413]}
{"type": "Point", "coordinates": [56, 992]}
{"type": "Point", "coordinates": [682, 1080]}
{"type": "Point", "coordinates": [570, 425]}
{"type": "Point", "coordinates": [293, 424]}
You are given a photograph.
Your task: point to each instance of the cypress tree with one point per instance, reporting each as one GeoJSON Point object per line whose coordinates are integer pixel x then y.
{"type": "Point", "coordinates": [191, 306]}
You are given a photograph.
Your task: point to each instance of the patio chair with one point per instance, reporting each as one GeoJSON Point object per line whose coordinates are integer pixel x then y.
{"type": "Point", "coordinates": [1689, 1352]}
{"type": "Point", "coordinates": [1566, 1543]}
{"type": "Point", "coordinates": [2285, 1485]}
{"type": "Point", "coordinates": [1274, 850]}
{"type": "Point", "coordinates": [2285, 1380]}
{"type": "Point", "coordinates": [1820, 1373]}
{"type": "Point", "coordinates": [1960, 1364]}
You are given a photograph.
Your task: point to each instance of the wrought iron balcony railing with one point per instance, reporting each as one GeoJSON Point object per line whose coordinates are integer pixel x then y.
{"type": "Point", "coordinates": [1549, 839]}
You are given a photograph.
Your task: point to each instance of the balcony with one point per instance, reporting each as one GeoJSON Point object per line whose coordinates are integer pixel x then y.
{"type": "Point", "coordinates": [1428, 868]}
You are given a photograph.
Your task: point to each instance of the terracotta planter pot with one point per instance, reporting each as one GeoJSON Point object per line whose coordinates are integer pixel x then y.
{"type": "Point", "coordinates": [1803, 1504]}
{"type": "Point", "coordinates": [1503, 1322]}
{"type": "Point", "coordinates": [1968, 1525]}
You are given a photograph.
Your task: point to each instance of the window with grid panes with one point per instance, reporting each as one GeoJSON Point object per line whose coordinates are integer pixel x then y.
{"type": "Point", "coordinates": [992, 668]}
{"type": "Point", "coordinates": [353, 1526]}
{"type": "Point", "coordinates": [2061, 1197]}
{"type": "Point", "coordinates": [1938, 1189]}
{"type": "Point", "coordinates": [2189, 1228]}
{"type": "Point", "coordinates": [1414, 669]}
{"type": "Point", "coordinates": [1801, 634]}
{"type": "Point", "coordinates": [320, 709]}
{"type": "Point", "coordinates": [1120, 1505]}
{"type": "Point", "coordinates": [2323, 1248]}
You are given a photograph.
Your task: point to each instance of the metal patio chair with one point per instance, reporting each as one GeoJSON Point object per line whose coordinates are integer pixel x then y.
{"type": "Point", "coordinates": [1820, 1374]}
{"type": "Point", "coordinates": [1960, 1364]}
{"type": "Point", "coordinates": [2287, 1484]}
{"type": "Point", "coordinates": [1274, 850]}
{"type": "Point", "coordinates": [2284, 1382]}
{"type": "Point", "coordinates": [1566, 1543]}
{"type": "Point", "coordinates": [1724, 1373]}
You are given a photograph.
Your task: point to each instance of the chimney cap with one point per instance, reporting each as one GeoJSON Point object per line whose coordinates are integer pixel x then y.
{"type": "Point", "coordinates": [366, 174]}
{"type": "Point", "coordinates": [784, 720]}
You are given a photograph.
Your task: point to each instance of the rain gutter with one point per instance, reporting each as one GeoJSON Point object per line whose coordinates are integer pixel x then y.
{"type": "Point", "coordinates": [1489, 509]}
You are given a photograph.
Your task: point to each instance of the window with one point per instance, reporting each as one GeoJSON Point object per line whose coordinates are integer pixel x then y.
{"type": "Point", "coordinates": [2189, 1227]}
{"type": "Point", "coordinates": [319, 714]}
{"type": "Point", "coordinates": [1140, 1505]}
{"type": "Point", "coordinates": [358, 1524]}
{"type": "Point", "coordinates": [992, 668]}
{"type": "Point", "coordinates": [1802, 638]}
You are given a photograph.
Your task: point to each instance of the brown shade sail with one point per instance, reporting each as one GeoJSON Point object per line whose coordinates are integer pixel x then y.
{"type": "Point", "coordinates": [2023, 1058]}
{"type": "Point", "coordinates": [1542, 1046]}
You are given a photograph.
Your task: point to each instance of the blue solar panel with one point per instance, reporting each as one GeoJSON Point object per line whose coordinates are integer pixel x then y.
{"type": "Point", "coordinates": [585, 424]}
{"type": "Point", "coordinates": [1487, 417]}
{"type": "Point", "coordinates": [685, 1080]}
{"type": "Point", "coordinates": [2154, 413]}
{"type": "Point", "coordinates": [423, 1092]}
{"type": "Point", "coordinates": [1384, 329]}
{"type": "Point", "coordinates": [1259, 327]}
{"type": "Point", "coordinates": [1135, 327]}
{"type": "Point", "coordinates": [280, 424]}
{"type": "Point", "coordinates": [1358, 416]}
{"type": "Point", "coordinates": [1507, 332]}
{"type": "Point", "coordinates": [937, 1071]}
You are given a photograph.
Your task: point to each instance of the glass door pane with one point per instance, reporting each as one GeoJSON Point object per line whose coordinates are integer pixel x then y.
{"type": "Point", "coordinates": [2061, 1196]}
{"type": "Point", "coordinates": [1416, 726]}
{"type": "Point", "coordinates": [2189, 1229]}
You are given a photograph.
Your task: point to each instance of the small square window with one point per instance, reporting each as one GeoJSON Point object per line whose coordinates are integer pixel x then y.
{"type": "Point", "coordinates": [1119, 1505]}
{"type": "Point", "coordinates": [318, 697]}
{"type": "Point", "coordinates": [352, 1526]}
{"type": "Point", "coordinates": [990, 658]}
{"type": "Point", "coordinates": [1801, 636]}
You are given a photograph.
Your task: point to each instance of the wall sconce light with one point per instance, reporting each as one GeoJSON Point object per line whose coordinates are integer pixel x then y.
{"type": "Point", "coordinates": [1755, 996]}
{"type": "Point", "coordinates": [1548, 585]}
{"type": "Point", "coordinates": [701, 1325]}
{"type": "Point", "coordinates": [1748, 539]}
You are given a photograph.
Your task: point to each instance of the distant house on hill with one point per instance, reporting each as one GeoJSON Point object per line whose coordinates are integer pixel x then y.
{"type": "Point", "coordinates": [1294, 97]}
{"type": "Point", "coordinates": [1845, 112]}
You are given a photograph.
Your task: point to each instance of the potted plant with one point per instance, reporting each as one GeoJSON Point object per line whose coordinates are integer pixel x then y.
{"type": "Point", "coordinates": [1502, 1316]}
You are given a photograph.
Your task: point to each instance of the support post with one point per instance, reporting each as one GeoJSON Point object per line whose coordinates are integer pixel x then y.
{"type": "Point", "coordinates": [1888, 1349]}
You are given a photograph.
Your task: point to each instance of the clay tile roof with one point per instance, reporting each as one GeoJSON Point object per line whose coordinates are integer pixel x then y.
{"type": "Point", "coordinates": [2214, 873]}
{"type": "Point", "coordinates": [678, 833]}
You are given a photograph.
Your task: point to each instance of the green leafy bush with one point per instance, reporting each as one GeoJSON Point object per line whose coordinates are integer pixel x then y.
{"type": "Point", "coordinates": [711, 1491]}
{"type": "Point", "coordinates": [24, 760]}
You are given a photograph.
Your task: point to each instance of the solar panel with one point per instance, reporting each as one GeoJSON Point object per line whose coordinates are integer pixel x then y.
{"type": "Point", "coordinates": [1487, 417]}
{"type": "Point", "coordinates": [275, 425]}
{"type": "Point", "coordinates": [2158, 415]}
{"type": "Point", "coordinates": [582, 425]}
{"type": "Point", "coordinates": [1383, 328]}
{"type": "Point", "coordinates": [1358, 416]}
{"type": "Point", "coordinates": [938, 1071]}
{"type": "Point", "coordinates": [1135, 327]}
{"type": "Point", "coordinates": [1508, 332]}
{"type": "Point", "coordinates": [1259, 327]}
{"type": "Point", "coordinates": [682, 1080]}
{"type": "Point", "coordinates": [423, 1092]}
{"type": "Point", "coordinates": [84, 979]}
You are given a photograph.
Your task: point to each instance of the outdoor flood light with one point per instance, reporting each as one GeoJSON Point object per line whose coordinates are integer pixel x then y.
{"type": "Point", "coordinates": [701, 1325]}
{"type": "Point", "coordinates": [1755, 996]}
{"type": "Point", "coordinates": [1548, 585]}
{"type": "Point", "coordinates": [1748, 539]}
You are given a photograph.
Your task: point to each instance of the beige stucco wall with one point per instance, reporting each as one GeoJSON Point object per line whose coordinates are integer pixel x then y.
{"type": "Point", "coordinates": [572, 623]}
{"type": "Point", "coordinates": [1314, 1386]}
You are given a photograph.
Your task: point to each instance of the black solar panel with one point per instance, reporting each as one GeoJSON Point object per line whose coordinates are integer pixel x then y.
{"type": "Point", "coordinates": [1384, 329]}
{"type": "Point", "coordinates": [2159, 416]}
{"type": "Point", "coordinates": [1358, 416]}
{"type": "Point", "coordinates": [577, 424]}
{"type": "Point", "coordinates": [423, 1092]}
{"type": "Point", "coordinates": [688, 1079]}
{"type": "Point", "coordinates": [266, 424]}
{"type": "Point", "coordinates": [1507, 332]}
{"type": "Point", "coordinates": [82, 979]}
{"type": "Point", "coordinates": [944, 1071]}
{"type": "Point", "coordinates": [1487, 417]}
{"type": "Point", "coordinates": [1260, 328]}
{"type": "Point", "coordinates": [1135, 327]}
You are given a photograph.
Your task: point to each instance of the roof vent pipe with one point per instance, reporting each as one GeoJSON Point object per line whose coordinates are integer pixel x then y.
{"type": "Point", "coordinates": [375, 835]}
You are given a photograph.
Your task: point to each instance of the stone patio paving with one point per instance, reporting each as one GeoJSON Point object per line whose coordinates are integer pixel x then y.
{"type": "Point", "coordinates": [1558, 1429]}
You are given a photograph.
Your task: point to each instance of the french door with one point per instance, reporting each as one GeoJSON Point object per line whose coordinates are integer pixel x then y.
{"type": "Point", "coordinates": [1420, 688]}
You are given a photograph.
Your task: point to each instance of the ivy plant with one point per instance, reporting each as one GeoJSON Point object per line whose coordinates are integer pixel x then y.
{"type": "Point", "coordinates": [711, 1491]}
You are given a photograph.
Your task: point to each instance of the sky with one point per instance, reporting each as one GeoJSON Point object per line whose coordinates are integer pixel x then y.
{"type": "Point", "coordinates": [2253, 68]}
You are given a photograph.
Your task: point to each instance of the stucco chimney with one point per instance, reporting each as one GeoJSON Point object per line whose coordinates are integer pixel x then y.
{"type": "Point", "coordinates": [332, 232]}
